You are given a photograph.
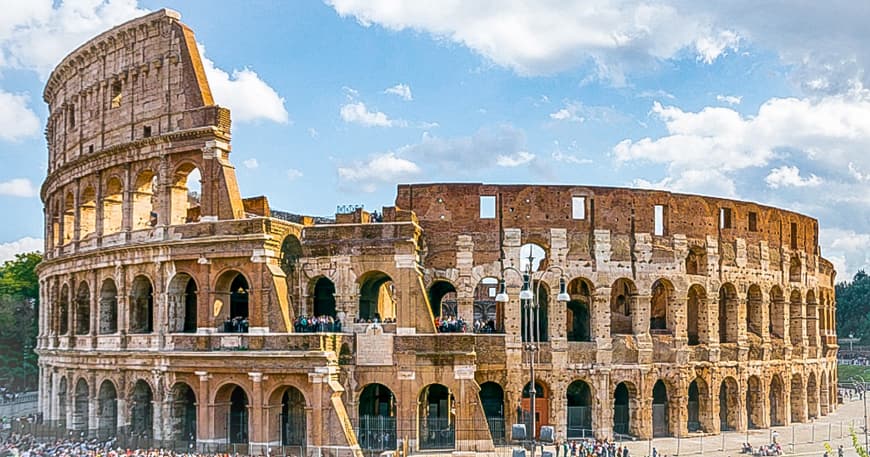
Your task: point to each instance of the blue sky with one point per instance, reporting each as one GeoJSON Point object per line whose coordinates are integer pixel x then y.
{"type": "Point", "coordinates": [336, 102]}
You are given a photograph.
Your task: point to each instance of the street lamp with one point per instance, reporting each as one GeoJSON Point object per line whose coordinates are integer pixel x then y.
{"type": "Point", "coordinates": [855, 379]}
{"type": "Point", "coordinates": [529, 302]}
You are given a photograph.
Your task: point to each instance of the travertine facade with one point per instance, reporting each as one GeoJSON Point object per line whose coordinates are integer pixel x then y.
{"type": "Point", "coordinates": [686, 314]}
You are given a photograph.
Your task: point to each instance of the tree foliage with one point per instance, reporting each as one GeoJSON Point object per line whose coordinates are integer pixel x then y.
{"type": "Point", "coordinates": [19, 308]}
{"type": "Point", "coordinates": [853, 307]}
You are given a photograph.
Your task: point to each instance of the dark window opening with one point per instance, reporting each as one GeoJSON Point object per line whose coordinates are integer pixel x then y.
{"type": "Point", "coordinates": [753, 222]}
{"type": "Point", "coordinates": [794, 233]}
{"type": "Point", "coordinates": [116, 95]}
{"type": "Point", "coordinates": [146, 131]}
{"type": "Point", "coordinates": [725, 218]}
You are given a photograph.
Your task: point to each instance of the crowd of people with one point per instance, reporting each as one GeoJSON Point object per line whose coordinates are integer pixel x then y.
{"type": "Point", "coordinates": [450, 324]}
{"type": "Point", "coordinates": [237, 324]}
{"type": "Point", "coordinates": [590, 448]}
{"type": "Point", "coordinates": [767, 449]}
{"type": "Point", "coordinates": [375, 320]}
{"type": "Point", "coordinates": [9, 396]}
{"type": "Point", "coordinates": [306, 324]}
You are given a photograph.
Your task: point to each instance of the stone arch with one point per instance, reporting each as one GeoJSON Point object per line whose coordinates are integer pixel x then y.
{"type": "Point", "coordinates": [754, 315]}
{"type": "Point", "coordinates": [540, 319]}
{"type": "Point", "coordinates": [696, 261]}
{"type": "Point", "coordinates": [81, 403]}
{"type": "Point", "coordinates": [796, 317]}
{"type": "Point", "coordinates": [729, 404]}
{"type": "Point", "coordinates": [435, 417]}
{"type": "Point", "coordinates": [728, 313]}
{"type": "Point", "coordinates": [777, 316]}
{"type": "Point", "coordinates": [182, 303]}
{"type": "Point", "coordinates": [376, 296]}
{"type": "Point", "coordinates": [812, 318]}
{"type": "Point", "coordinates": [812, 396]}
{"type": "Point", "coordinates": [377, 418]}
{"type": "Point", "coordinates": [661, 298]}
{"type": "Point", "coordinates": [776, 398]}
{"type": "Point", "coordinates": [623, 294]}
{"type": "Point", "coordinates": [233, 288]}
{"type": "Point", "coordinates": [824, 392]}
{"type": "Point", "coordinates": [62, 396]}
{"type": "Point", "coordinates": [113, 206]}
{"type": "Point", "coordinates": [696, 315]}
{"type": "Point", "coordinates": [794, 269]}
{"type": "Point", "coordinates": [186, 194]}
{"type": "Point", "coordinates": [537, 250]}
{"type": "Point", "coordinates": [69, 217]}
{"type": "Point", "coordinates": [141, 410]}
{"type": "Point", "coordinates": [231, 418]}
{"type": "Point", "coordinates": [492, 400]}
{"type": "Point", "coordinates": [141, 305]}
{"type": "Point", "coordinates": [798, 399]}
{"type": "Point", "coordinates": [63, 310]}
{"type": "Point", "coordinates": [55, 224]}
{"type": "Point", "coordinates": [291, 252]}
{"type": "Point", "coordinates": [108, 307]}
{"type": "Point", "coordinates": [755, 402]}
{"type": "Point", "coordinates": [144, 200]}
{"type": "Point", "coordinates": [442, 298]}
{"type": "Point", "coordinates": [182, 413]}
{"type": "Point", "coordinates": [486, 309]}
{"type": "Point", "coordinates": [660, 410]}
{"type": "Point", "coordinates": [323, 297]}
{"type": "Point", "coordinates": [107, 410]}
{"type": "Point", "coordinates": [625, 409]}
{"type": "Point", "coordinates": [699, 406]}
{"type": "Point", "coordinates": [290, 426]}
{"type": "Point", "coordinates": [579, 410]}
{"type": "Point", "coordinates": [579, 310]}
{"type": "Point", "coordinates": [542, 406]}
{"type": "Point", "coordinates": [87, 212]}
{"type": "Point", "coordinates": [83, 309]}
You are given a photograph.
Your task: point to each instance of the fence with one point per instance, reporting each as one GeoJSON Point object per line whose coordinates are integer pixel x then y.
{"type": "Point", "coordinates": [22, 405]}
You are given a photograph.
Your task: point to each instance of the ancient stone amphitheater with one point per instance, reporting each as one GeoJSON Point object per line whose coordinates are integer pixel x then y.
{"type": "Point", "coordinates": [176, 315]}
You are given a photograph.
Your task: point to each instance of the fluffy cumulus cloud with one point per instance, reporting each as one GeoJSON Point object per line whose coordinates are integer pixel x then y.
{"type": "Point", "coordinates": [400, 90]}
{"type": "Point", "coordinates": [359, 113]}
{"type": "Point", "coordinates": [18, 187]}
{"type": "Point", "coordinates": [379, 169]}
{"type": "Point", "coordinates": [847, 249]}
{"type": "Point", "coordinates": [20, 246]}
{"type": "Point", "coordinates": [514, 160]}
{"type": "Point", "coordinates": [245, 93]}
{"type": "Point", "coordinates": [251, 163]}
{"type": "Point", "coordinates": [729, 99]}
{"type": "Point", "coordinates": [17, 120]}
{"type": "Point", "coordinates": [790, 176]}
{"type": "Point", "coordinates": [293, 174]}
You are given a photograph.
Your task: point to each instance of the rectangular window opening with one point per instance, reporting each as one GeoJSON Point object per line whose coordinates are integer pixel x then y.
{"type": "Point", "coordinates": [724, 218]}
{"type": "Point", "coordinates": [753, 221]}
{"type": "Point", "coordinates": [72, 116]}
{"type": "Point", "coordinates": [659, 223]}
{"type": "Point", "coordinates": [794, 235]}
{"type": "Point", "coordinates": [146, 131]}
{"type": "Point", "coordinates": [116, 95]}
{"type": "Point", "coordinates": [578, 208]}
{"type": "Point", "coordinates": [487, 206]}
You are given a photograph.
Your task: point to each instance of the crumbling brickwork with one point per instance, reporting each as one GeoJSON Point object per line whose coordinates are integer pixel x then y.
{"type": "Point", "coordinates": [684, 313]}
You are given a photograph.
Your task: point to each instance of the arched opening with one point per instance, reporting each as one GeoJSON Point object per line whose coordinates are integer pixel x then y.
{"type": "Point", "coordinates": [660, 409]}
{"type": "Point", "coordinates": [376, 297]}
{"type": "Point", "coordinates": [754, 403]}
{"type": "Point", "coordinates": [693, 422]}
{"type": "Point", "coordinates": [377, 418]}
{"type": "Point", "coordinates": [578, 316]}
{"type": "Point", "coordinates": [107, 411]}
{"type": "Point", "coordinates": [624, 407]}
{"type": "Point", "coordinates": [63, 310]}
{"type": "Point", "coordinates": [62, 395]}
{"type": "Point", "coordinates": [113, 206]}
{"type": "Point", "coordinates": [729, 408]}
{"type": "Point", "coordinates": [69, 217]}
{"type": "Point", "coordinates": [812, 320]}
{"type": "Point", "coordinates": [488, 312]}
{"type": "Point", "coordinates": [534, 319]}
{"type": "Point", "coordinates": [695, 302]}
{"type": "Point", "coordinates": [777, 313]}
{"type": "Point", "coordinates": [696, 261]}
{"type": "Point", "coordinates": [80, 406]}
{"type": "Point", "coordinates": [728, 307]}
{"type": "Point", "coordinates": [622, 296]}
{"type": "Point", "coordinates": [777, 402]}
{"type": "Point", "coordinates": [812, 397]}
{"type": "Point", "coordinates": [142, 411]}
{"type": "Point", "coordinates": [442, 299]}
{"type": "Point", "coordinates": [144, 200]}
{"type": "Point", "coordinates": [56, 234]}
{"type": "Point", "coordinates": [579, 397]}
{"type": "Point", "coordinates": [182, 304]}
{"type": "Point", "coordinates": [293, 421]}
{"type": "Point", "coordinates": [182, 416]}
{"type": "Point", "coordinates": [794, 269]}
{"type": "Point", "coordinates": [796, 319]}
{"type": "Point", "coordinates": [186, 194]}
{"type": "Point", "coordinates": [542, 407]}
{"type": "Point", "coordinates": [237, 419]}
{"type": "Point", "coordinates": [232, 288]}
{"type": "Point", "coordinates": [291, 252]}
{"type": "Point", "coordinates": [87, 212]}
{"type": "Point", "coordinates": [324, 298]}
{"type": "Point", "coordinates": [437, 424]}
{"type": "Point", "coordinates": [537, 255]}
{"type": "Point", "coordinates": [798, 399]}
{"type": "Point", "coordinates": [239, 293]}
{"type": "Point", "coordinates": [660, 300]}
{"type": "Point", "coordinates": [141, 306]}
{"type": "Point", "coordinates": [108, 307]}
{"type": "Point", "coordinates": [823, 394]}
{"type": "Point", "coordinates": [754, 318]}
{"type": "Point", "coordinates": [492, 400]}
{"type": "Point", "coordinates": [83, 309]}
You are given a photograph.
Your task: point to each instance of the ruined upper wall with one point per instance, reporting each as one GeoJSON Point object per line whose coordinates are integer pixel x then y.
{"type": "Point", "coordinates": [140, 79]}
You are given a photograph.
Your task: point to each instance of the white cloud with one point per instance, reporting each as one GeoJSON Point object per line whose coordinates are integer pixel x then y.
{"type": "Point", "coordinates": [560, 156]}
{"type": "Point", "coordinates": [358, 113]}
{"type": "Point", "coordinates": [659, 93]}
{"type": "Point", "coordinates": [704, 182]}
{"type": "Point", "coordinates": [17, 120]}
{"type": "Point", "coordinates": [401, 90]}
{"type": "Point", "coordinates": [710, 47]}
{"type": "Point", "coordinates": [729, 99]}
{"type": "Point", "coordinates": [786, 176]}
{"type": "Point", "coordinates": [847, 249]}
{"type": "Point", "coordinates": [293, 174]}
{"type": "Point", "coordinates": [313, 133]}
{"type": "Point", "coordinates": [18, 187]}
{"type": "Point", "coordinates": [249, 97]}
{"type": "Point", "coordinates": [251, 164]}
{"type": "Point", "coordinates": [20, 246]}
{"type": "Point", "coordinates": [565, 114]}
{"type": "Point", "coordinates": [514, 160]}
{"type": "Point", "coordinates": [382, 168]}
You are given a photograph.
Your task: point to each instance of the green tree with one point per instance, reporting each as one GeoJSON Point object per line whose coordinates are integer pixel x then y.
{"type": "Point", "coordinates": [853, 307]}
{"type": "Point", "coordinates": [19, 308]}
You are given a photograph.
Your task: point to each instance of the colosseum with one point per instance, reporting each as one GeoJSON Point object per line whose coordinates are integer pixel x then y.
{"type": "Point", "coordinates": [176, 310]}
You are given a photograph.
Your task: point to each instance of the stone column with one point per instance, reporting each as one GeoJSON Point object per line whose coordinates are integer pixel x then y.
{"type": "Point", "coordinates": [203, 417]}
{"type": "Point", "coordinates": [602, 405]}
{"type": "Point", "coordinates": [258, 439]}
{"type": "Point", "coordinates": [93, 404]}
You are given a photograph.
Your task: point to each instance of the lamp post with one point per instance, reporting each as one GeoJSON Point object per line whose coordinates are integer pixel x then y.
{"type": "Point", "coordinates": [529, 303]}
{"type": "Point", "coordinates": [855, 380]}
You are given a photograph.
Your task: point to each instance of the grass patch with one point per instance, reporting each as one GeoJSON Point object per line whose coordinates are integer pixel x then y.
{"type": "Point", "coordinates": [845, 372]}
